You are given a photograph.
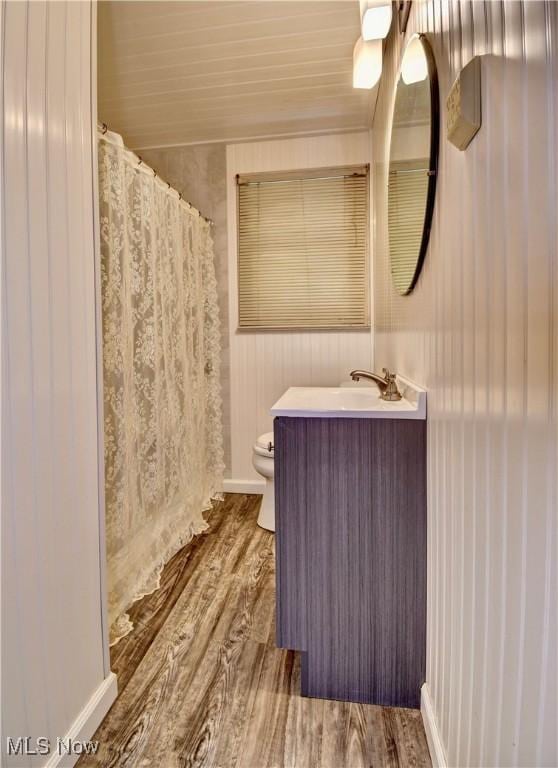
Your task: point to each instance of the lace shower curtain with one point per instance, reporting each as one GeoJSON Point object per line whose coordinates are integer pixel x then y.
{"type": "Point", "coordinates": [161, 350]}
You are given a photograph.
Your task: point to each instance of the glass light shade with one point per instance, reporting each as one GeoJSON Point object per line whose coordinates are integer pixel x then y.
{"type": "Point", "coordinates": [376, 22]}
{"type": "Point", "coordinates": [367, 63]}
{"type": "Point", "coordinates": [414, 66]}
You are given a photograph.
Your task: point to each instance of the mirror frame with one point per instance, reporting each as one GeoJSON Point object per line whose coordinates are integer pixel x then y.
{"type": "Point", "coordinates": [434, 152]}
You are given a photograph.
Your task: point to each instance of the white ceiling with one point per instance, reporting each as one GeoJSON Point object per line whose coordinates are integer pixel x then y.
{"type": "Point", "coordinates": [188, 72]}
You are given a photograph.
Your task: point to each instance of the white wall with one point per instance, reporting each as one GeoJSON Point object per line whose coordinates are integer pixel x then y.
{"type": "Point", "coordinates": [55, 671]}
{"type": "Point", "coordinates": [410, 142]}
{"type": "Point", "coordinates": [265, 364]}
{"type": "Point", "coordinates": [480, 332]}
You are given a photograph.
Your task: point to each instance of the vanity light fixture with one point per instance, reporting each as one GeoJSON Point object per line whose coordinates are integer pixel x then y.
{"type": "Point", "coordinates": [367, 63]}
{"type": "Point", "coordinates": [414, 67]}
{"type": "Point", "coordinates": [376, 21]}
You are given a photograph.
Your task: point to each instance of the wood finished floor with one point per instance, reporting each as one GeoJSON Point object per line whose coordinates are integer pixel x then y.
{"type": "Point", "coordinates": [201, 682]}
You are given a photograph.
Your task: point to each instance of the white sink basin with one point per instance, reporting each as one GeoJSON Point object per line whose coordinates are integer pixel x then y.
{"type": "Point", "coordinates": [352, 402]}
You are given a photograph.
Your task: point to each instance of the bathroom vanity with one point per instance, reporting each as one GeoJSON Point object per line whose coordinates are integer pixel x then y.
{"type": "Point", "coordinates": [350, 490]}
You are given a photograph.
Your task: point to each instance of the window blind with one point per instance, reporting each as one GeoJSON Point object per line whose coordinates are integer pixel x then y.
{"type": "Point", "coordinates": [408, 190]}
{"type": "Point", "coordinates": [303, 249]}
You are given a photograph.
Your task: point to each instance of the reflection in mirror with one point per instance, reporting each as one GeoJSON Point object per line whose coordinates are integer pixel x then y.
{"type": "Point", "coordinates": [413, 163]}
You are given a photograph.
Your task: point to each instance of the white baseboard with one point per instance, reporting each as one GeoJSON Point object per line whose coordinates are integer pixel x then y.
{"type": "Point", "coordinates": [437, 752]}
{"type": "Point", "coordinates": [243, 486]}
{"type": "Point", "coordinates": [87, 722]}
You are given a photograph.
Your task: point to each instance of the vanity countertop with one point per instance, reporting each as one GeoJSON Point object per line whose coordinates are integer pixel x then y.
{"type": "Point", "coordinates": [362, 402]}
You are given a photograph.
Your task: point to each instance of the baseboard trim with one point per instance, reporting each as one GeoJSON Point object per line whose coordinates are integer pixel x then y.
{"type": "Point", "coordinates": [88, 720]}
{"type": "Point", "coordinates": [437, 752]}
{"type": "Point", "coordinates": [243, 486]}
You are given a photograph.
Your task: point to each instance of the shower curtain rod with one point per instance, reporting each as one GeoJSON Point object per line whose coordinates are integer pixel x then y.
{"type": "Point", "coordinates": [102, 128]}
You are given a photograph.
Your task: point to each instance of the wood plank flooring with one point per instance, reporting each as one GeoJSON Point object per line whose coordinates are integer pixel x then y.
{"type": "Point", "coordinates": [201, 682]}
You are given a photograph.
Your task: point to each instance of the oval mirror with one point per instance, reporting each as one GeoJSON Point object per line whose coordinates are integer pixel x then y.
{"type": "Point", "coordinates": [413, 163]}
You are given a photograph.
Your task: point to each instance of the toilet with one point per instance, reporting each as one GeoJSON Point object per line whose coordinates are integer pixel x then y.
{"type": "Point", "coordinates": [262, 459]}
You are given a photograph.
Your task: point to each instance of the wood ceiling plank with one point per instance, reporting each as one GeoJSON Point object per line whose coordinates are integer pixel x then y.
{"type": "Point", "coordinates": [136, 21]}
{"type": "Point", "coordinates": [180, 72]}
{"type": "Point", "coordinates": [205, 51]}
{"type": "Point", "coordinates": [116, 84]}
{"type": "Point", "coordinates": [307, 87]}
{"type": "Point", "coordinates": [321, 117]}
{"type": "Point", "coordinates": [235, 34]}
{"type": "Point", "coordinates": [336, 104]}
{"type": "Point", "coordinates": [232, 132]}
{"type": "Point", "coordinates": [159, 91]}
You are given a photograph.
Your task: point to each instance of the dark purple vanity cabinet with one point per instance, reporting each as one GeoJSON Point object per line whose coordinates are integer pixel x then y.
{"type": "Point", "coordinates": [351, 555]}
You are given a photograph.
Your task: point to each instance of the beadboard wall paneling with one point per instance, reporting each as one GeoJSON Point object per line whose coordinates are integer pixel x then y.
{"type": "Point", "coordinates": [480, 332]}
{"type": "Point", "coordinates": [265, 364]}
{"type": "Point", "coordinates": [54, 678]}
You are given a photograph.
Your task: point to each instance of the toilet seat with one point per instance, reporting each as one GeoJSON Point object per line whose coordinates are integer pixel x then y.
{"type": "Point", "coordinates": [263, 462]}
{"type": "Point", "coordinates": [263, 443]}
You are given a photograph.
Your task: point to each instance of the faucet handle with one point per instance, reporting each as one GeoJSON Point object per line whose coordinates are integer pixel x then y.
{"type": "Point", "coordinates": [390, 392]}
{"type": "Point", "coordinates": [389, 376]}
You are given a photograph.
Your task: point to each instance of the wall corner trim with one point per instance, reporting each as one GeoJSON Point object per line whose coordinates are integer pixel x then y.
{"type": "Point", "coordinates": [231, 485]}
{"type": "Point", "coordinates": [88, 720]}
{"type": "Point", "coordinates": [437, 752]}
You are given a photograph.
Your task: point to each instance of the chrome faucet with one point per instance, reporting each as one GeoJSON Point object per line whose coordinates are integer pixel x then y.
{"type": "Point", "coordinates": [387, 385]}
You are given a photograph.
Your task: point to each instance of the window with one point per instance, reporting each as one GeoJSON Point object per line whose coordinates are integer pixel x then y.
{"type": "Point", "coordinates": [303, 249]}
